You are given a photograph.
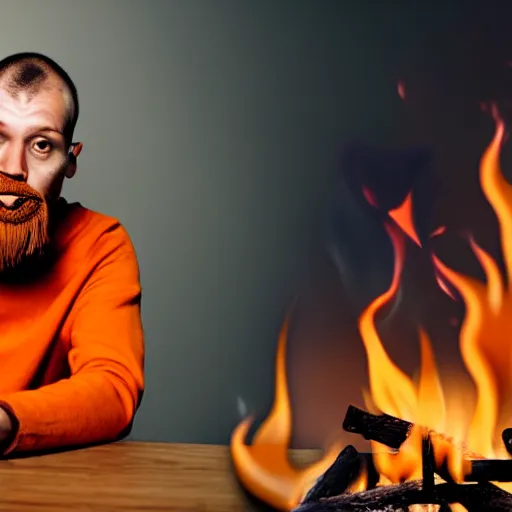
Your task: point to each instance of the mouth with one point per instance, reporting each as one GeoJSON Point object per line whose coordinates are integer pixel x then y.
{"type": "Point", "coordinates": [11, 200]}
{"type": "Point", "coordinates": [14, 205]}
{"type": "Point", "coordinates": [17, 209]}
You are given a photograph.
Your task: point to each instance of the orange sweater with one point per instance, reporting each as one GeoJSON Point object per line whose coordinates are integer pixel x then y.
{"type": "Point", "coordinates": [72, 343]}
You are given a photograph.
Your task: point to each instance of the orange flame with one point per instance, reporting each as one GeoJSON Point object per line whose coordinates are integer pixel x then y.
{"type": "Point", "coordinates": [264, 467]}
{"type": "Point", "coordinates": [404, 218]}
{"type": "Point", "coordinates": [484, 346]}
{"type": "Point", "coordinates": [486, 350]}
{"type": "Point", "coordinates": [484, 343]}
{"type": "Point", "coordinates": [395, 393]}
{"type": "Point", "coordinates": [457, 507]}
{"type": "Point", "coordinates": [361, 482]}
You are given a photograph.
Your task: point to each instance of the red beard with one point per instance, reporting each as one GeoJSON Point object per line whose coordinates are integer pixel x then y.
{"type": "Point", "coordinates": [24, 226]}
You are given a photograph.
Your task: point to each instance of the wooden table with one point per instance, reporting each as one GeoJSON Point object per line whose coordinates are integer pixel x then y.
{"type": "Point", "coordinates": [125, 476]}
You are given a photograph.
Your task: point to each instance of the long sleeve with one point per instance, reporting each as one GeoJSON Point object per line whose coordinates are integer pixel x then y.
{"type": "Point", "coordinates": [97, 403]}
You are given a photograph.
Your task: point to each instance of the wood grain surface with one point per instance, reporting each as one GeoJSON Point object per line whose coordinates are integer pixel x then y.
{"type": "Point", "coordinates": [128, 476]}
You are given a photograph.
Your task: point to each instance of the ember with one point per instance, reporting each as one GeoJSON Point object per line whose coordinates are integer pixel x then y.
{"type": "Point", "coordinates": [416, 463]}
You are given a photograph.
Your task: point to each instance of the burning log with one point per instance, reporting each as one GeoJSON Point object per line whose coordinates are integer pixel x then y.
{"type": "Point", "coordinates": [338, 477]}
{"type": "Point", "coordinates": [348, 465]}
{"type": "Point", "coordinates": [384, 428]}
{"type": "Point", "coordinates": [343, 471]}
{"type": "Point", "coordinates": [393, 432]}
{"type": "Point", "coordinates": [330, 491]}
{"type": "Point", "coordinates": [483, 497]}
{"type": "Point", "coordinates": [506, 436]}
{"type": "Point", "coordinates": [324, 496]}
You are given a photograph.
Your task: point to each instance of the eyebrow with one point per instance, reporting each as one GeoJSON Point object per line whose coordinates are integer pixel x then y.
{"type": "Point", "coordinates": [36, 129]}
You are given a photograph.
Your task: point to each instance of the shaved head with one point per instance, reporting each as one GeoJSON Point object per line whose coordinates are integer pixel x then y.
{"type": "Point", "coordinates": [30, 73]}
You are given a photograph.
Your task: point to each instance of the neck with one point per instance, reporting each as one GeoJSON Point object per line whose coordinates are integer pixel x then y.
{"type": "Point", "coordinates": [56, 213]}
{"type": "Point", "coordinates": [34, 267]}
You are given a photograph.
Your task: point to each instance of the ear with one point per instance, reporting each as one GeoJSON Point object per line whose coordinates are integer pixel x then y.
{"type": "Point", "coordinates": [76, 149]}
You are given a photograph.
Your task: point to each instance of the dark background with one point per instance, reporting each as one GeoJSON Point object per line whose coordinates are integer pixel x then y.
{"type": "Point", "coordinates": [453, 61]}
{"type": "Point", "coordinates": [214, 130]}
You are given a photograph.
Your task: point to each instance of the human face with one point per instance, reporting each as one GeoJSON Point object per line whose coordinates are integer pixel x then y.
{"type": "Point", "coordinates": [34, 160]}
{"type": "Point", "coordinates": [32, 143]}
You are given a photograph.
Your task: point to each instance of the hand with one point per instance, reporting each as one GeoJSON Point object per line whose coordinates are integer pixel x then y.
{"type": "Point", "coordinates": [5, 425]}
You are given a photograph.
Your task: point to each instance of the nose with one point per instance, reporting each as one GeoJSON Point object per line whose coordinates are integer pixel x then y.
{"type": "Point", "coordinates": [13, 162]}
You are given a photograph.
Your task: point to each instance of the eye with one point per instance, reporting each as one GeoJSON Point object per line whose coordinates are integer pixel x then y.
{"type": "Point", "coordinates": [42, 146]}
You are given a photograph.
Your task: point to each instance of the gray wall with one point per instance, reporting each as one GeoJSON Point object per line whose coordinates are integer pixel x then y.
{"type": "Point", "coordinates": [211, 129]}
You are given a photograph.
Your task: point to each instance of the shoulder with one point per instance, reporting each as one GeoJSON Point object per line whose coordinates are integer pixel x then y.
{"type": "Point", "coordinates": [87, 232]}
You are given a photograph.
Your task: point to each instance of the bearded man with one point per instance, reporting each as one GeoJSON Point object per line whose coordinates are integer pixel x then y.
{"type": "Point", "coordinates": [71, 336]}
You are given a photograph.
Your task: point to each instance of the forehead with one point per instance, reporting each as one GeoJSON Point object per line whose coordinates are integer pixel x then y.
{"type": "Point", "coordinates": [48, 106]}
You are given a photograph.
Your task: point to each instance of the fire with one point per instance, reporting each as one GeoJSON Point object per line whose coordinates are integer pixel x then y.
{"type": "Point", "coordinates": [486, 351]}
{"type": "Point", "coordinates": [395, 393]}
{"type": "Point", "coordinates": [484, 344]}
{"type": "Point", "coordinates": [361, 481]}
{"type": "Point", "coordinates": [264, 467]}
{"type": "Point", "coordinates": [403, 218]}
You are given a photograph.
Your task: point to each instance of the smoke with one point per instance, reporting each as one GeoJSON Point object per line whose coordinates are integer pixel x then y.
{"type": "Point", "coordinates": [241, 407]}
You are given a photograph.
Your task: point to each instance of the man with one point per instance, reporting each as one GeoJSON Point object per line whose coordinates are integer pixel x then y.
{"type": "Point", "coordinates": [71, 338]}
